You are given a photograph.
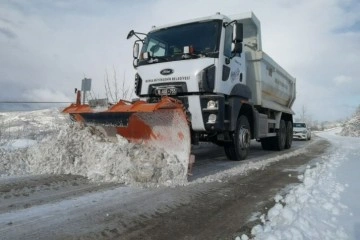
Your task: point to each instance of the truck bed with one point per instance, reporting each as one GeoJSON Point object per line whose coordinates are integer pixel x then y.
{"type": "Point", "coordinates": [271, 85]}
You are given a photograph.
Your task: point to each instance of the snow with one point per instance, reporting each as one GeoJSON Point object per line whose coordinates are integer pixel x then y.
{"type": "Point", "coordinates": [81, 151]}
{"type": "Point", "coordinates": [325, 205]}
{"type": "Point", "coordinates": [62, 147]}
{"type": "Point", "coordinates": [19, 143]}
{"type": "Point", "coordinates": [247, 166]}
{"type": "Point", "coordinates": [352, 127]}
{"type": "Point", "coordinates": [243, 237]}
{"type": "Point", "coordinates": [68, 148]}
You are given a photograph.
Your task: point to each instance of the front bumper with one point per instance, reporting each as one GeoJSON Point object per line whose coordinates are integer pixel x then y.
{"type": "Point", "coordinates": [300, 135]}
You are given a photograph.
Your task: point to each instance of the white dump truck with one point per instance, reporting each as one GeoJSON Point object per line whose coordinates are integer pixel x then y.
{"type": "Point", "coordinates": [232, 90]}
{"type": "Point", "coordinates": [204, 79]}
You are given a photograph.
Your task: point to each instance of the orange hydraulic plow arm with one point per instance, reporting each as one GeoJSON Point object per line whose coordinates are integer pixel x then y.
{"type": "Point", "coordinates": [162, 125]}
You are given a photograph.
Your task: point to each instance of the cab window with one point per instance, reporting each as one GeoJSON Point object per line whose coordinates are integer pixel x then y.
{"type": "Point", "coordinates": [228, 40]}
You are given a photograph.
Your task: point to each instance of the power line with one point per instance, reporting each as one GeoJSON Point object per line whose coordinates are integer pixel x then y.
{"type": "Point", "coordinates": [30, 102]}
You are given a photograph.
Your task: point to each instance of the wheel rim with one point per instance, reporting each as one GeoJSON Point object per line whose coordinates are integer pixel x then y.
{"type": "Point", "coordinates": [244, 138]}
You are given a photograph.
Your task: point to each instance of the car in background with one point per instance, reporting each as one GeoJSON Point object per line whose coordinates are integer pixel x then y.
{"type": "Point", "coordinates": [301, 131]}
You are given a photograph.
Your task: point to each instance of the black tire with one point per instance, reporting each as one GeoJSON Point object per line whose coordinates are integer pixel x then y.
{"type": "Point", "coordinates": [289, 134]}
{"type": "Point", "coordinates": [239, 148]}
{"type": "Point", "coordinates": [230, 151]}
{"type": "Point", "coordinates": [278, 142]}
{"type": "Point", "coordinates": [281, 136]}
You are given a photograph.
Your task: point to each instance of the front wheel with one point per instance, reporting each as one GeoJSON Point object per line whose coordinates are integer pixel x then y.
{"type": "Point", "coordinates": [238, 149]}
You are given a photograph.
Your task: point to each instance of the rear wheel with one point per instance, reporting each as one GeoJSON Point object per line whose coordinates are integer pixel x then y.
{"type": "Point", "coordinates": [289, 134]}
{"type": "Point", "coordinates": [230, 151]}
{"type": "Point", "coordinates": [278, 142]}
{"type": "Point", "coordinates": [281, 136]}
{"type": "Point", "coordinates": [239, 148]}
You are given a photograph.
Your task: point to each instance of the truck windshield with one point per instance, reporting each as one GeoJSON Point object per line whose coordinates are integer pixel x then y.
{"type": "Point", "coordinates": [167, 44]}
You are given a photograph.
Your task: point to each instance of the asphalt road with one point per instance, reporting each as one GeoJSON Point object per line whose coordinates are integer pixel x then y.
{"type": "Point", "coordinates": [71, 207]}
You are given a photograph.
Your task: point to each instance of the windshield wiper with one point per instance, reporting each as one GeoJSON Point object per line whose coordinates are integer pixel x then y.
{"type": "Point", "coordinates": [190, 56]}
{"type": "Point", "coordinates": [157, 59]}
{"type": "Point", "coordinates": [200, 55]}
{"type": "Point", "coordinates": [210, 54]}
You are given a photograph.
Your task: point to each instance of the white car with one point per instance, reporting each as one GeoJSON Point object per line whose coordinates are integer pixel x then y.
{"type": "Point", "coordinates": [301, 131]}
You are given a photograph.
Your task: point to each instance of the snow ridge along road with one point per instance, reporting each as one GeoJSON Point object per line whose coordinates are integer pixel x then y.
{"type": "Point", "coordinates": [326, 204]}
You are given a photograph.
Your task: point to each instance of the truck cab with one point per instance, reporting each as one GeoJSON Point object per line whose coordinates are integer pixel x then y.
{"type": "Point", "coordinates": [197, 61]}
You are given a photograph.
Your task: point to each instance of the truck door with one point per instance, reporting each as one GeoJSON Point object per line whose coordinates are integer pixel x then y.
{"type": "Point", "coordinates": [234, 64]}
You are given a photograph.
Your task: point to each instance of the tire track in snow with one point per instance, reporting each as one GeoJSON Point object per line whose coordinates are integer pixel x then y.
{"type": "Point", "coordinates": [29, 191]}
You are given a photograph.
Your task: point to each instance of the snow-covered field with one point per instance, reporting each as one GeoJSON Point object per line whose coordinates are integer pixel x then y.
{"type": "Point", "coordinates": [326, 205]}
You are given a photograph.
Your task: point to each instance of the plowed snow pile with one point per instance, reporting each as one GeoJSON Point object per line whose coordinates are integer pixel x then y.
{"type": "Point", "coordinates": [73, 149]}
{"type": "Point", "coordinates": [310, 210]}
{"type": "Point", "coordinates": [352, 127]}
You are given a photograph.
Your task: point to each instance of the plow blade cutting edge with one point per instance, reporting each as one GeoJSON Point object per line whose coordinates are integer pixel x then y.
{"type": "Point", "coordinates": [163, 125]}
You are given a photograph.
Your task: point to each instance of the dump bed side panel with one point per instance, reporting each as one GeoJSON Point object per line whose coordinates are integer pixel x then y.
{"type": "Point", "coordinates": [272, 86]}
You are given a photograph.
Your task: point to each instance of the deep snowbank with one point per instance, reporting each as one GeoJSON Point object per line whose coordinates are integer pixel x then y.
{"type": "Point", "coordinates": [310, 210]}
{"type": "Point", "coordinates": [352, 127]}
{"type": "Point", "coordinates": [66, 148]}
{"type": "Point", "coordinates": [33, 125]}
{"type": "Point", "coordinates": [84, 151]}
{"type": "Point", "coordinates": [315, 208]}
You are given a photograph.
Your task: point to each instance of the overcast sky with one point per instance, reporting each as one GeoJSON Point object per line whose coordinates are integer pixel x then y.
{"type": "Point", "coordinates": [47, 47]}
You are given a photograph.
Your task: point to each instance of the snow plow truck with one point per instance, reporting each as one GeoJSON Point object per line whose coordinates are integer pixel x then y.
{"type": "Point", "coordinates": [202, 80]}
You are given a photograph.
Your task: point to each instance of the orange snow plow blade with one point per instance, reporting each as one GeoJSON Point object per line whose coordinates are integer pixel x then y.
{"type": "Point", "coordinates": [163, 125]}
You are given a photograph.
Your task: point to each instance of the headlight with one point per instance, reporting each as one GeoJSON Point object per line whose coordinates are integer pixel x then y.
{"type": "Point", "coordinates": [212, 118]}
{"type": "Point", "coordinates": [305, 131]}
{"type": "Point", "coordinates": [212, 104]}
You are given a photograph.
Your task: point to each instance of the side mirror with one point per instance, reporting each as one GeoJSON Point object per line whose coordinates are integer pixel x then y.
{"type": "Point", "coordinates": [136, 50]}
{"type": "Point", "coordinates": [131, 33]}
{"type": "Point", "coordinates": [236, 47]}
{"type": "Point", "coordinates": [238, 32]}
{"type": "Point", "coordinates": [135, 63]}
